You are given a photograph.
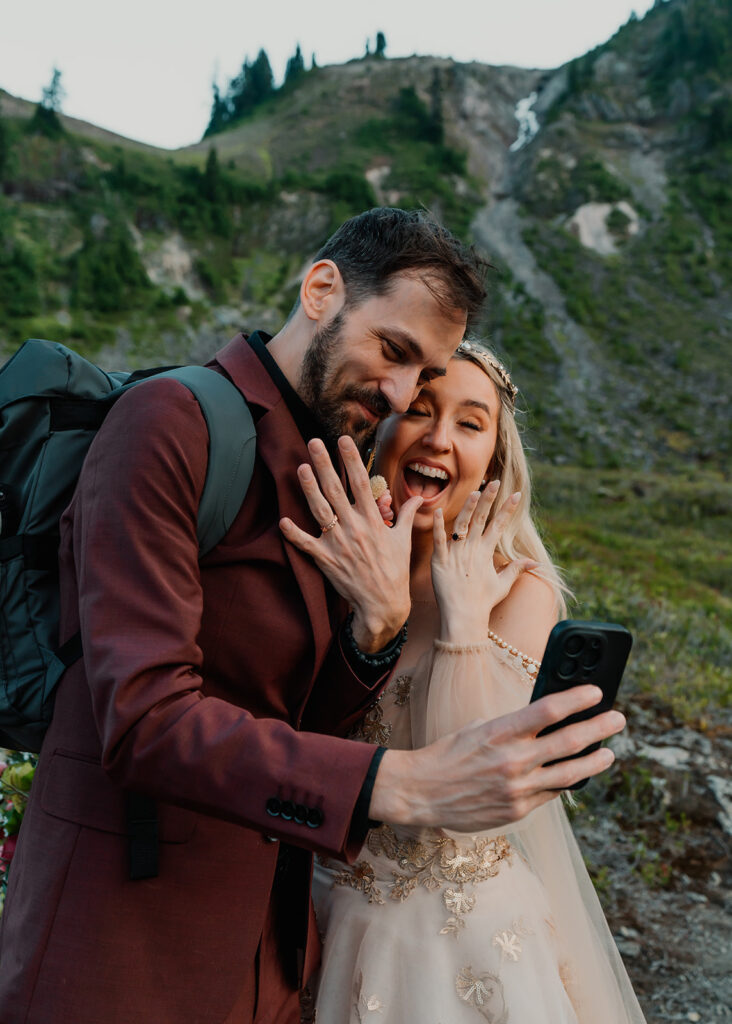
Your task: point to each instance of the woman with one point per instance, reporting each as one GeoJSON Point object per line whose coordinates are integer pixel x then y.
{"type": "Point", "coordinates": [431, 927]}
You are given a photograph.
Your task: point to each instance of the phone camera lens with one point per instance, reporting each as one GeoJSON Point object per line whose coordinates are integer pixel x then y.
{"type": "Point", "coordinates": [567, 668]}
{"type": "Point", "coordinates": [591, 658]}
{"type": "Point", "coordinates": [595, 643]}
{"type": "Point", "coordinates": [573, 645]}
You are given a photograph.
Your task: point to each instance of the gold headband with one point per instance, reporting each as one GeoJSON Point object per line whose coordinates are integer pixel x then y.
{"type": "Point", "coordinates": [484, 357]}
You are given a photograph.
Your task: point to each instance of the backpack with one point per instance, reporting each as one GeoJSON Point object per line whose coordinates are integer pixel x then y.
{"type": "Point", "coordinates": [52, 402]}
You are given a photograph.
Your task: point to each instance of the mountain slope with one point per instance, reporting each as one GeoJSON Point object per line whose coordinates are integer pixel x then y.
{"type": "Point", "coordinates": [609, 226]}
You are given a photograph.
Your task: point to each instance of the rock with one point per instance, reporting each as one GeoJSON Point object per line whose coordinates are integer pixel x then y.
{"type": "Point", "coordinates": [669, 757]}
{"type": "Point", "coordinates": [589, 224]}
{"type": "Point", "coordinates": [627, 948]}
{"type": "Point", "coordinates": [722, 790]}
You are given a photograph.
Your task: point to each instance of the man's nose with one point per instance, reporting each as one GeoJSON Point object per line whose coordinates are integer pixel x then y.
{"type": "Point", "coordinates": [400, 389]}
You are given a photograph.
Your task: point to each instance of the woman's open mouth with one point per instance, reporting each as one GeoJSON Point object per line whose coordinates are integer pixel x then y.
{"type": "Point", "coordinates": [426, 481]}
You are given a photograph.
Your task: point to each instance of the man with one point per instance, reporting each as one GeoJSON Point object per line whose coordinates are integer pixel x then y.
{"type": "Point", "coordinates": [209, 688]}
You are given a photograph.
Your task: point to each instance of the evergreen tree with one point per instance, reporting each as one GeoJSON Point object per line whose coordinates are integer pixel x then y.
{"type": "Point", "coordinates": [295, 67]}
{"type": "Point", "coordinates": [53, 94]}
{"type": "Point", "coordinates": [212, 184]}
{"type": "Point", "coordinates": [219, 113]}
{"type": "Point", "coordinates": [45, 120]}
{"type": "Point", "coordinates": [380, 45]}
{"type": "Point", "coordinates": [261, 79]}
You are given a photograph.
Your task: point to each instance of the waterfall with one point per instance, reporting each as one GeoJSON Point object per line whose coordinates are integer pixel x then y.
{"type": "Point", "coordinates": [528, 124]}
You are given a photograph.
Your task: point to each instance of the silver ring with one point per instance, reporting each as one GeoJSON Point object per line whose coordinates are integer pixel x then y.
{"type": "Point", "coordinates": [329, 526]}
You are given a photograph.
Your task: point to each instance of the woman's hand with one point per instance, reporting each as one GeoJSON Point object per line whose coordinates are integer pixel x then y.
{"type": "Point", "coordinates": [466, 583]}
{"type": "Point", "coordinates": [366, 563]}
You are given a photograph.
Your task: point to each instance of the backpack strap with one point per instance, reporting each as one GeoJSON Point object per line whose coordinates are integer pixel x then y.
{"type": "Point", "coordinates": [232, 447]}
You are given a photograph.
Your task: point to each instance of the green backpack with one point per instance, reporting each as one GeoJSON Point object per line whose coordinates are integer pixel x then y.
{"type": "Point", "coordinates": [52, 402]}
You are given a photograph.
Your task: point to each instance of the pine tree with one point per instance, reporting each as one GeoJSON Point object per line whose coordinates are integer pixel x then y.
{"type": "Point", "coordinates": [45, 120]}
{"type": "Point", "coordinates": [260, 83]}
{"type": "Point", "coordinates": [219, 113]}
{"type": "Point", "coordinates": [54, 93]}
{"type": "Point", "coordinates": [380, 45]}
{"type": "Point", "coordinates": [295, 67]}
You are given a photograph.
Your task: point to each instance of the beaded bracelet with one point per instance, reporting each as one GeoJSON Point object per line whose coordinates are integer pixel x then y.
{"type": "Point", "coordinates": [381, 658]}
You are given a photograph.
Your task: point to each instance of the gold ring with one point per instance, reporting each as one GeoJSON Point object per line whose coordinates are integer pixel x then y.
{"type": "Point", "coordinates": [329, 526]}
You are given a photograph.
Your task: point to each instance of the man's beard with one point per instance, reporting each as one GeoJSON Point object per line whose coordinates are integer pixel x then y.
{"type": "Point", "coordinates": [319, 387]}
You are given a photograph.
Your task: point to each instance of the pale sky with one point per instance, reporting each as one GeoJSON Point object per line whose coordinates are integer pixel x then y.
{"type": "Point", "coordinates": [144, 68]}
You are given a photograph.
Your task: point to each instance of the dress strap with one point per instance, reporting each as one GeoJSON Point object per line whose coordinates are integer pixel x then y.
{"type": "Point", "coordinates": [530, 665]}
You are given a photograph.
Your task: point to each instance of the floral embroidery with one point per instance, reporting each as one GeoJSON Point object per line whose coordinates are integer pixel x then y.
{"type": "Point", "coordinates": [401, 688]}
{"type": "Point", "coordinates": [431, 864]}
{"type": "Point", "coordinates": [485, 993]}
{"type": "Point", "coordinates": [458, 901]}
{"type": "Point", "coordinates": [361, 878]}
{"type": "Point", "coordinates": [509, 940]}
{"type": "Point", "coordinates": [369, 1004]}
{"type": "Point", "coordinates": [372, 729]}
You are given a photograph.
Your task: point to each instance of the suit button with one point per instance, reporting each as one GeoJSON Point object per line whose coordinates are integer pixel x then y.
{"type": "Point", "coordinates": [287, 810]}
{"type": "Point", "coordinates": [273, 806]}
{"type": "Point", "coordinates": [301, 814]}
{"type": "Point", "coordinates": [315, 817]}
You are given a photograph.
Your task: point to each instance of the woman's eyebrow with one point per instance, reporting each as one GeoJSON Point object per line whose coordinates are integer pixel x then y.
{"type": "Point", "coordinates": [474, 403]}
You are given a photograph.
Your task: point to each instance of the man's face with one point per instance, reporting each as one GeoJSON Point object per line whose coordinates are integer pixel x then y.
{"type": "Point", "coordinates": [371, 360]}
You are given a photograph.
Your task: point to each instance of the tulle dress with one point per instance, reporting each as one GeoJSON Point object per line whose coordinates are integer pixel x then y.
{"type": "Point", "coordinates": [435, 927]}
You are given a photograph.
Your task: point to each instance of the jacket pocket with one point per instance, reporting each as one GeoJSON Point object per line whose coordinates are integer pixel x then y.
{"type": "Point", "coordinates": [77, 789]}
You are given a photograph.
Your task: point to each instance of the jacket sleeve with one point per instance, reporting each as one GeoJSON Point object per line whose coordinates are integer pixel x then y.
{"type": "Point", "coordinates": [140, 603]}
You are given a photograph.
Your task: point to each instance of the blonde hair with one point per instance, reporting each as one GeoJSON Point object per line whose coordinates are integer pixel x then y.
{"type": "Point", "coordinates": [520, 539]}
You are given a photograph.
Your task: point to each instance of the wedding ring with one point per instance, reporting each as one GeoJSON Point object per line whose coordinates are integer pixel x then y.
{"type": "Point", "coordinates": [459, 536]}
{"type": "Point", "coordinates": [329, 526]}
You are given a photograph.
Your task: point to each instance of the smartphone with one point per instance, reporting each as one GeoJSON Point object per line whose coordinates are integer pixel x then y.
{"type": "Point", "coordinates": [583, 652]}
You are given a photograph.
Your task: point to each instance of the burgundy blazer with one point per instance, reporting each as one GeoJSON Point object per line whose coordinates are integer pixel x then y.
{"type": "Point", "coordinates": [207, 686]}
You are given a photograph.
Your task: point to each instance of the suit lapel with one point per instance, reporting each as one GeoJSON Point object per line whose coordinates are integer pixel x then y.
{"type": "Point", "coordinates": [282, 449]}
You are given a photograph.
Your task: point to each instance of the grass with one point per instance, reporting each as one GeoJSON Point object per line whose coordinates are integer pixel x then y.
{"type": "Point", "coordinates": [654, 552]}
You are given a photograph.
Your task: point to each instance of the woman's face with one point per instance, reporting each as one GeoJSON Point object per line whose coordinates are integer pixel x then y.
{"type": "Point", "coordinates": [441, 448]}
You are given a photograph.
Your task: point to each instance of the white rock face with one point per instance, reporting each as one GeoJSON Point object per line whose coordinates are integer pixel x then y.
{"type": "Point", "coordinates": [376, 177]}
{"type": "Point", "coordinates": [722, 789]}
{"type": "Point", "coordinates": [589, 224]}
{"type": "Point", "coordinates": [170, 266]}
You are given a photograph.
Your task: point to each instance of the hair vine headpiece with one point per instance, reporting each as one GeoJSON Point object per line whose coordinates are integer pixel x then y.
{"type": "Point", "coordinates": [489, 360]}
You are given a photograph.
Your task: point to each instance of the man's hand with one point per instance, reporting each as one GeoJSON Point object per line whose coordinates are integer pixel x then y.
{"type": "Point", "coordinates": [367, 564]}
{"type": "Point", "coordinates": [492, 773]}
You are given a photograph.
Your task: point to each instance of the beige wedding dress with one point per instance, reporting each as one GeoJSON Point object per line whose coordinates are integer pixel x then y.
{"type": "Point", "coordinates": [431, 927]}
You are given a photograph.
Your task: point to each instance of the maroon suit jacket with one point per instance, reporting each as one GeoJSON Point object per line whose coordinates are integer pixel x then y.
{"type": "Point", "coordinates": [206, 686]}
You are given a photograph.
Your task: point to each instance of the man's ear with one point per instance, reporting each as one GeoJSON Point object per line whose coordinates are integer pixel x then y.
{"type": "Point", "coordinates": [322, 292]}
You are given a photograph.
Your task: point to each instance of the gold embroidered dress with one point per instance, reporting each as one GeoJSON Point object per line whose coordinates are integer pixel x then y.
{"type": "Point", "coordinates": [435, 927]}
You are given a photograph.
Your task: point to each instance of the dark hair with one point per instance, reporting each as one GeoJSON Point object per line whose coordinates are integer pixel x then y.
{"type": "Point", "coordinates": [371, 248]}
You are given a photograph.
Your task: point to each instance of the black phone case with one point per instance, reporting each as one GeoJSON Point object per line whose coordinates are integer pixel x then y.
{"type": "Point", "coordinates": [583, 652]}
